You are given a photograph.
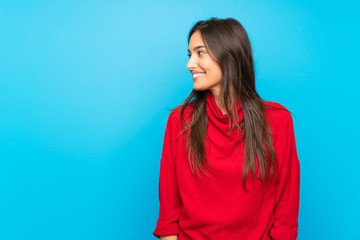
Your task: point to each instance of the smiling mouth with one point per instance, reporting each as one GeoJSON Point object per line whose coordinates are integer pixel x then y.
{"type": "Point", "coordinates": [197, 75]}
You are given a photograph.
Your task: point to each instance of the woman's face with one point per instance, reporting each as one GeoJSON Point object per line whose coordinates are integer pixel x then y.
{"type": "Point", "coordinates": [201, 62]}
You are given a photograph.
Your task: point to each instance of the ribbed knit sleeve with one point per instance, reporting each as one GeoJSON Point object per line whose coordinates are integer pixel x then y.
{"type": "Point", "coordinates": [169, 198]}
{"type": "Point", "coordinates": [287, 193]}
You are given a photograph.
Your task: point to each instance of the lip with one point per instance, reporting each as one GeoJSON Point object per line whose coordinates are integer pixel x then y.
{"type": "Point", "coordinates": [197, 77]}
{"type": "Point", "coordinates": [193, 72]}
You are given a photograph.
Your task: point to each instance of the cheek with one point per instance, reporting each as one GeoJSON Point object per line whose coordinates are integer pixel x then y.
{"type": "Point", "coordinates": [216, 72]}
{"type": "Point", "coordinates": [208, 64]}
{"type": "Point", "coordinates": [214, 68]}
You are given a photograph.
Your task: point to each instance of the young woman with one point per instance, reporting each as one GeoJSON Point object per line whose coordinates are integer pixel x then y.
{"type": "Point", "coordinates": [229, 166]}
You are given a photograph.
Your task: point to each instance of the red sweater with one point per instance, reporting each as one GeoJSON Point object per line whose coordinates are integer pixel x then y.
{"type": "Point", "coordinates": [217, 207]}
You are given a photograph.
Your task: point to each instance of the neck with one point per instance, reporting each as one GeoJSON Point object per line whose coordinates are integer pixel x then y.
{"type": "Point", "coordinates": [218, 99]}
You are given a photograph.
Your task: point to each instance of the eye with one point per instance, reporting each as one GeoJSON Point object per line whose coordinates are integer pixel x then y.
{"type": "Point", "coordinates": [198, 52]}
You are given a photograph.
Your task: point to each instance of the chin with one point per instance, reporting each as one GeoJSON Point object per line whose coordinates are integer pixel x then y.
{"type": "Point", "coordinates": [197, 88]}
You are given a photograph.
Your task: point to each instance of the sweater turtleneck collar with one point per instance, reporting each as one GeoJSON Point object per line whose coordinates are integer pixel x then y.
{"type": "Point", "coordinates": [214, 110]}
{"type": "Point", "coordinates": [215, 115]}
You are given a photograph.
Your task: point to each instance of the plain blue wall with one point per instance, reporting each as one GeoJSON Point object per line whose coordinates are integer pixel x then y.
{"type": "Point", "coordinates": [84, 92]}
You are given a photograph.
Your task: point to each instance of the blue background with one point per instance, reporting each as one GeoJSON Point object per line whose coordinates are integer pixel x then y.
{"type": "Point", "coordinates": [84, 92]}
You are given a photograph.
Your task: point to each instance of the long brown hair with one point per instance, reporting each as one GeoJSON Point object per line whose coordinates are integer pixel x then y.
{"type": "Point", "coordinates": [228, 41]}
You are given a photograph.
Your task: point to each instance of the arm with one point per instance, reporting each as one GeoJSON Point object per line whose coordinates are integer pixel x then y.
{"type": "Point", "coordinates": [287, 193]}
{"type": "Point", "coordinates": [169, 197]}
{"type": "Point", "coordinates": [172, 237]}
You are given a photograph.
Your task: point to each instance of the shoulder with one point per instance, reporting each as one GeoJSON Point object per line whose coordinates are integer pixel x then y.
{"type": "Point", "coordinates": [175, 114]}
{"type": "Point", "coordinates": [277, 114]}
{"type": "Point", "coordinates": [174, 117]}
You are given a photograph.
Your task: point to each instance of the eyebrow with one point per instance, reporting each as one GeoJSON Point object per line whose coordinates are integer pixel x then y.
{"type": "Point", "coordinates": [197, 47]}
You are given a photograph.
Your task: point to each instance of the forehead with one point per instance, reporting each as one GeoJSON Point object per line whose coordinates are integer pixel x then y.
{"type": "Point", "coordinates": [196, 38]}
{"type": "Point", "coordinates": [196, 41]}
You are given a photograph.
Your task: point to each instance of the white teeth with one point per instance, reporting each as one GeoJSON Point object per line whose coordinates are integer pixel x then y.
{"type": "Point", "coordinates": [198, 74]}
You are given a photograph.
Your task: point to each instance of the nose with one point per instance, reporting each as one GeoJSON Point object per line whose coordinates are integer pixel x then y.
{"type": "Point", "coordinates": [191, 63]}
